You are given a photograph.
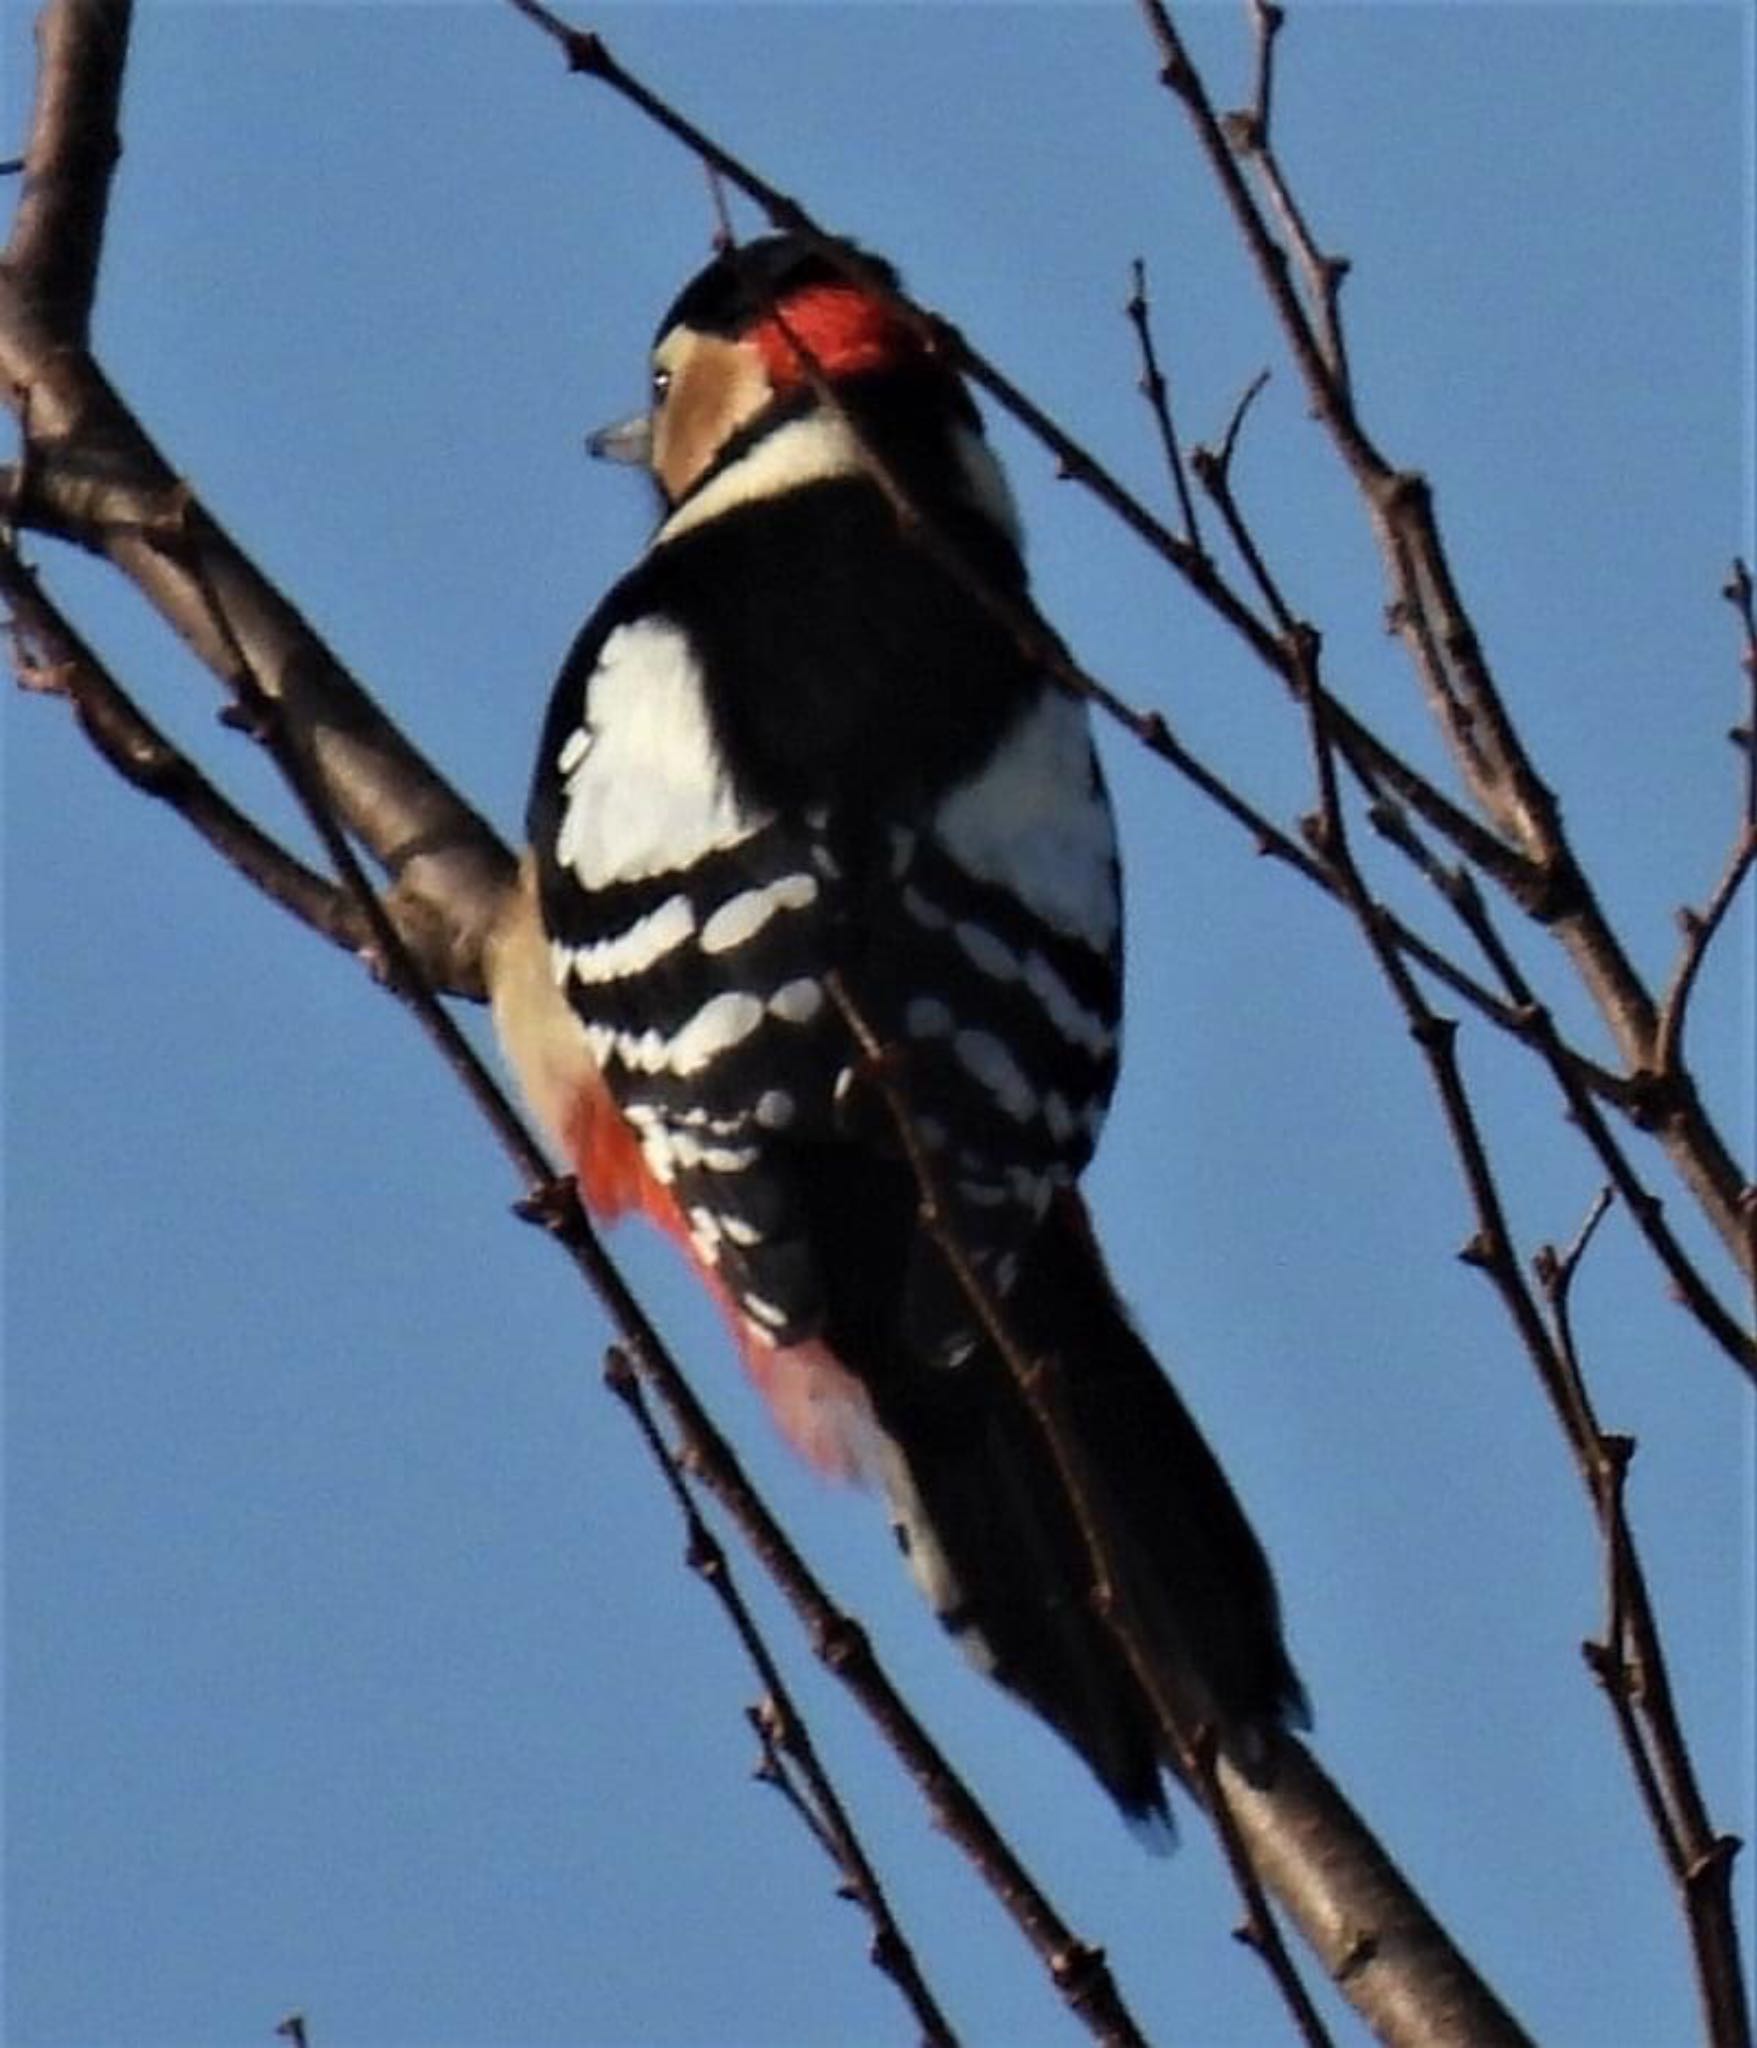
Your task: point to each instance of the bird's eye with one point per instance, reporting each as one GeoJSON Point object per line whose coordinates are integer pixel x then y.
{"type": "Point", "coordinates": [661, 385]}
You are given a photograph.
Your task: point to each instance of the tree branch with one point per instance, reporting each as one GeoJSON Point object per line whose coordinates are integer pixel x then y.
{"type": "Point", "coordinates": [1462, 692]}
{"type": "Point", "coordinates": [781, 1729]}
{"type": "Point", "coordinates": [57, 237]}
{"type": "Point", "coordinates": [51, 658]}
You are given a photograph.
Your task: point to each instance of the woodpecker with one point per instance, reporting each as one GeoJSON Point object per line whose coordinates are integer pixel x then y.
{"type": "Point", "coordinates": [802, 770]}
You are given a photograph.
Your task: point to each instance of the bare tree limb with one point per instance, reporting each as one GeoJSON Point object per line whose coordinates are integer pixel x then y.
{"type": "Point", "coordinates": [50, 657]}
{"type": "Point", "coordinates": [1430, 615]}
{"type": "Point", "coordinates": [1665, 1773]}
{"type": "Point", "coordinates": [58, 232]}
{"type": "Point", "coordinates": [1630, 1666]}
{"type": "Point", "coordinates": [90, 473]}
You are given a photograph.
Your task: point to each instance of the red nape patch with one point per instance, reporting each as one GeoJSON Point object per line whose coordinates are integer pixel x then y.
{"type": "Point", "coordinates": [840, 328]}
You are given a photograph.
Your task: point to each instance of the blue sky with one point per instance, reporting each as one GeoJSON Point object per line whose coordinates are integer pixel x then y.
{"type": "Point", "coordinates": [350, 1664]}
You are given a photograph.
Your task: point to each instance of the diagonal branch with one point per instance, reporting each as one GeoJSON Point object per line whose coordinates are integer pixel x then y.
{"type": "Point", "coordinates": [1661, 1756]}
{"type": "Point", "coordinates": [1288, 1829]}
{"type": "Point", "coordinates": [787, 1743]}
{"type": "Point", "coordinates": [1430, 615]}
{"type": "Point", "coordinates": [50, 657]}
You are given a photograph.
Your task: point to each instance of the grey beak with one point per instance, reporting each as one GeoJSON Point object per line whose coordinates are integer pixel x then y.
{"type": "Point", "coordinates": [630, 440]}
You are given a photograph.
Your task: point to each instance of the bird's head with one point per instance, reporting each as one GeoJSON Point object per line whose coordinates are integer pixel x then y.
{"type": "Point", "coordinates": [746, 343]}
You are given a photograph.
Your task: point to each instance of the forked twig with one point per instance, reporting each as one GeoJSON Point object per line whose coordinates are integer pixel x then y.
{"type": "Point", "coordinates": [1429, 613]}
{"type": "Point", "coordinates": [1630, 1666]}
{"type": "Point", "coordinates": [1664, 1771]}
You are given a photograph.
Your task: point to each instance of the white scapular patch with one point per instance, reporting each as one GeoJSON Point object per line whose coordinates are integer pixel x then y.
{"type": "Point", "coordinates": [741, 917]}
{"type": "Point", "coordinates": [722, 1022]}
{"type": "Point", "coordinates": [992, 956]}
{"type": "Point", "coordinates": [1065, 1011]}
{"type": "Point", "coordinates": [633, 951]}
{"type": "Point", "coordinates": [987, 1060]}
{"type": "Point", "coordinates": [1035, 821]}
{"type": "Point", "coordinates": [648, 792]}
{"type": "Point", "coordinates": [796, 1002]}
{"type": "Point", "coordinates": [802, 452]}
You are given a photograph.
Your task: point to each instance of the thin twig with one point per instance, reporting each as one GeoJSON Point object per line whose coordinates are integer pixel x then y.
{"type": "Point", "coordinates": [1630, 1666]}
{"type": "Point", "coordinates": [1462, 691]}
{"type": "Point", "coordinates": [1700, 926]}
{"type": "Point", "coordinates": [1664, 1770]}
{"type": "Point", "coordinates": [780, 1727]}
{"type": "Point", "coordinates": [1252, 136]}
{"type": "Point", "coordinates": [1536, 1028]}
{"type": "Point", "coordinates": [1157, 392]}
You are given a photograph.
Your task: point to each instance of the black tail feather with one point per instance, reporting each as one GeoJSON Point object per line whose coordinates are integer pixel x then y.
{"type": "Point", "coordinates": [985, 1515]}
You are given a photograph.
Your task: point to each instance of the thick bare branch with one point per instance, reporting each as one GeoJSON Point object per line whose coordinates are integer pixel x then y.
{"type": "Point", "coordinates": [51, 657]}
{"type": "Point", "coordinates": [57, 237]}
{"type": "Point", "coordinates": [91, 475]}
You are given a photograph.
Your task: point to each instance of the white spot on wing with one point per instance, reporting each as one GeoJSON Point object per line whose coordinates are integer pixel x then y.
{"type": "Point", "coordinates": [1065, 1011]}
{"type": "Point", "coordinates": [987, 1060]}
{"type": "Point", "coordinates": [649, 793]}
{"type": "Point", "coordinates": [722, 1022]}
{"type": "Point", "coordinates": [994, 957]}
{"type": "Point", "coordinates": [633, 951]}
{"type": "Point", "coordinates": [796, 1002]}
{"type": "Point", "coordinates": [775, 1109]}
{"type": "Point", "coordinates": [764, 1311]}
{"type": "Point", "coordinates": [1035, 820]}
{"type": "Point", "coordinates": [741, 917]}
